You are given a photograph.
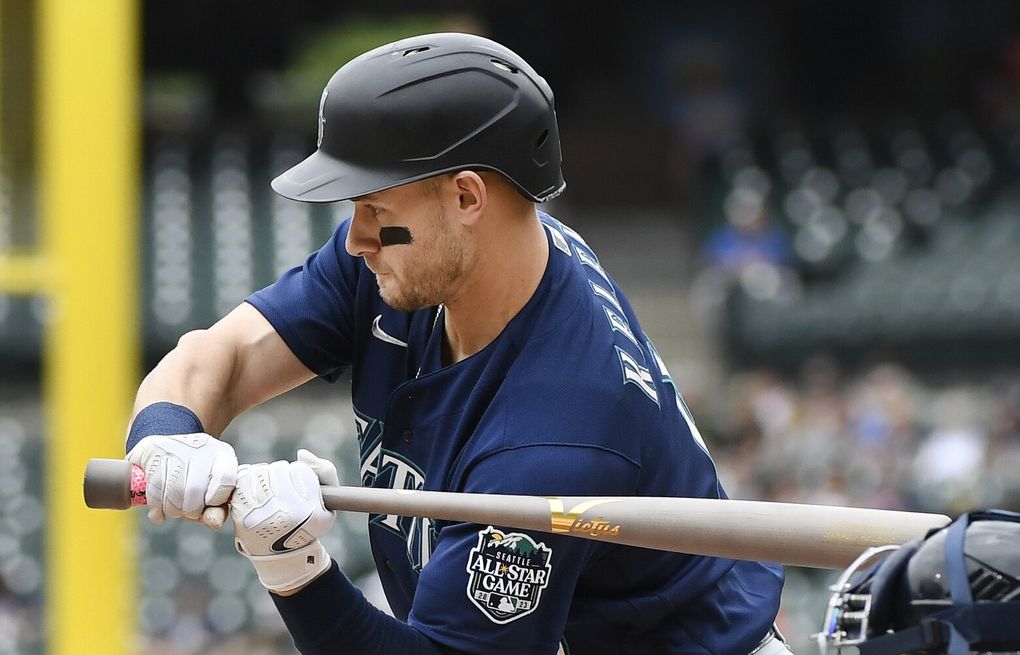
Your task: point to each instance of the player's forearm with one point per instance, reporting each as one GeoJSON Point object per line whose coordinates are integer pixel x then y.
{"type": "Point", "coordinates": [330, 615]}
{"type": "Point", "coordinates": [196, 374]}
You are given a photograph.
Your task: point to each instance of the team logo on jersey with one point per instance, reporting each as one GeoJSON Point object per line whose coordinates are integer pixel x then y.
{"type": "Point", "coordinates": [385, 468]}
{"type": "Point", "coordinates": [507, 572]}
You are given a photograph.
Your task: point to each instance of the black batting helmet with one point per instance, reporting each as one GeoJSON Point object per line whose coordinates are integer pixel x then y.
{"type": "Point", "coordinates": [427, 105]}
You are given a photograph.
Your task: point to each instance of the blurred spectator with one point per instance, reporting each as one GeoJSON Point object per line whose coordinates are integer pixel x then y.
{"type": "Point", "coordinates": [998, 90]}
{"type": "Point", "coordinates": [1002, 454]}
{"type": "Point", "coordinates": [704, 104]}
{"type": "Point", "coordinates": [749, 252]}
{"type": "Point", "coordinates": [708, 108]}
{"type": "Point", "coordinates": [747, 238]}
{"type": "Point", "coordinates": [948, 465]}
{"type": "Point", "coordinates": [880, 438]}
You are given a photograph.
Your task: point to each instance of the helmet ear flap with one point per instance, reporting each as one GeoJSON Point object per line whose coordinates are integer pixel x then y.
{"type": "Point", "coordinates": [888, 589]}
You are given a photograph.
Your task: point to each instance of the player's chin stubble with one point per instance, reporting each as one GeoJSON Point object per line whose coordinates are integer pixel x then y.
{"type": "Point", "coordinates": [426, 278]}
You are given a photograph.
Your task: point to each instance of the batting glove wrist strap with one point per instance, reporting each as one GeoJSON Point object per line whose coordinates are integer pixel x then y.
{"type": "Point", "coordinates": [162, 418]}
{"type": "Point", "coordinates": [290, 570]}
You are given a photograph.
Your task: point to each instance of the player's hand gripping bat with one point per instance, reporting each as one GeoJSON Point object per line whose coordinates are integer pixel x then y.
{"type": "Point", "coordinates": [819, 536]}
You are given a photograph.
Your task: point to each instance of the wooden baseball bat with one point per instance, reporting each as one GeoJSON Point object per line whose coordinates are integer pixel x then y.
{"type": "Point", "coordinates": [819, 536]}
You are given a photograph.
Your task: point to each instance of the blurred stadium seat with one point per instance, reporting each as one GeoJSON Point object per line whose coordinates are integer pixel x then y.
{"type": "Point", "coordinates": [906, 237]}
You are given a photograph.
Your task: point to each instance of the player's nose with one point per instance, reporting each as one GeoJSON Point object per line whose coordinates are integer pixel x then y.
{"type": "Point", "coordinates": [363, 234]}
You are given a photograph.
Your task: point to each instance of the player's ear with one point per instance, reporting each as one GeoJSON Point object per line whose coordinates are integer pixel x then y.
{"type": "Point", "coordinates": [472, 196]}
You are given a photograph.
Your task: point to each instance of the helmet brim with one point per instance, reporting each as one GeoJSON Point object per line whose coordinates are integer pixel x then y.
{"type": "Point", "coordinates": [321, 178]}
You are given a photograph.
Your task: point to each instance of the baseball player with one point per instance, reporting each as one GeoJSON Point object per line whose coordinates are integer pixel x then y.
{"type": "Point", "coordinates": [489, 352]}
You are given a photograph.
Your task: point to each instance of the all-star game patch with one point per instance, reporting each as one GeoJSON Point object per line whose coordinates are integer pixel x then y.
{"type": "Point", "coordinates": [507, 572]}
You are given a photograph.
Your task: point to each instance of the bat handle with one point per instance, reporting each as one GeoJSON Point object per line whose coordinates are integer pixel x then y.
{"type": "Point", "coordinates": [113, 484]}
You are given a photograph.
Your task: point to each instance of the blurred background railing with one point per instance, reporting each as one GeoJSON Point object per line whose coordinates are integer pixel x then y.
{"type": "Point", "coordinates": [812, 206]}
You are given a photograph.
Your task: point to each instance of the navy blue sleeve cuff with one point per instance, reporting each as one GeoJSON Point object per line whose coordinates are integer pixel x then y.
{"type": "Point", "coordinates": [331, 616]}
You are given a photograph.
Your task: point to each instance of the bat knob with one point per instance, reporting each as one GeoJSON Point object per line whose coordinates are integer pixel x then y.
{"type": "Point", "coordinates": [110, 484]}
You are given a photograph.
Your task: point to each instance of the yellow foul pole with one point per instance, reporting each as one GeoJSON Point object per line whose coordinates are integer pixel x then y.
{"type": "Point", "coordinates": [88, 141]}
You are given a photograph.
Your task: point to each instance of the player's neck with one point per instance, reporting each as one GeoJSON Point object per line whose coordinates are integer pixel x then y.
{"type": "Point", "coordinates": [508, 270]}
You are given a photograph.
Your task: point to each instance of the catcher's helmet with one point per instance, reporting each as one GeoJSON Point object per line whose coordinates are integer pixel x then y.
{"type": "Point", "coordinates": [955, 591]}
{"type": "Point", "coordinates": [992, 555]}
{"type": "Point", "coordinates": [427, 105]}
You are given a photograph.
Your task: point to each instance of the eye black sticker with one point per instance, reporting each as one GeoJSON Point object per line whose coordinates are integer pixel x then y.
{"type": "Point", "coordinates": [395, 236]}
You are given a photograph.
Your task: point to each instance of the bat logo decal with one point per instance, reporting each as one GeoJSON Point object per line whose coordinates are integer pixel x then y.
{"type": "Point", "coordinates": [564, 522]}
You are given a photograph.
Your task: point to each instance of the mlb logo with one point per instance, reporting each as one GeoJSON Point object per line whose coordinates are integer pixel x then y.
{"type": "Point", "coordinates": [502, 604]}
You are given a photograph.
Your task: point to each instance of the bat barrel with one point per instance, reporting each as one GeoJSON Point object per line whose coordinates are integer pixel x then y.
{"type": "Point", "coordinates": [792, 534]}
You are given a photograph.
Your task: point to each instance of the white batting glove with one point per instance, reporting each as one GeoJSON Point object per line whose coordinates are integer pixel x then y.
{"type": "Point", "coordinates": [188, 476]}
{"type": "Point", "coordinates": [278, 519]}
{"type": "Point", "coordinates": [324, 469]}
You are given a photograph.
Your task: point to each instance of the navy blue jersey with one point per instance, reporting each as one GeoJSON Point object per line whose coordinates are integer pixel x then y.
{"type": "Point", "coordinates": [571, 399]}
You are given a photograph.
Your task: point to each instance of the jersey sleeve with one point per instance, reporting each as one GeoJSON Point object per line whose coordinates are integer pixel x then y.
{"type": "Point", "coordinates": [312, 307]}
{"type": "Point", "coordinates": [496, 589]}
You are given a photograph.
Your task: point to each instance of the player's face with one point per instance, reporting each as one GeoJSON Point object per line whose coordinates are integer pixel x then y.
{"type": "Point", "coordinates": [415, 275]}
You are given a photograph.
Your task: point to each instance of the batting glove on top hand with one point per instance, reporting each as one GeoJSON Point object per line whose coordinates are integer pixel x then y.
{"type": "Point", "coordinates": [188, 476]}
{"type": "Point", "coordinates": [324, 469]}
{"type": "Point", "coordinates": [278, 519]}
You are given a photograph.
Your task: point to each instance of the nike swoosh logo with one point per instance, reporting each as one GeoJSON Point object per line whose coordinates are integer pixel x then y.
{"type": "Point", "coordinates": [381, 335]}
{"type": "Point", "coordinates": [279, 546]}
